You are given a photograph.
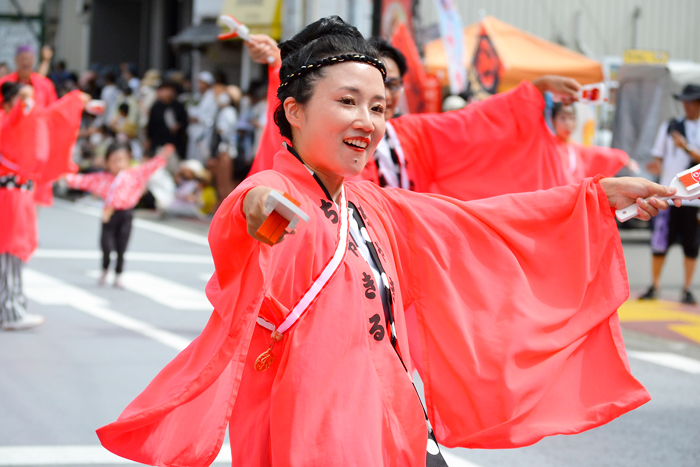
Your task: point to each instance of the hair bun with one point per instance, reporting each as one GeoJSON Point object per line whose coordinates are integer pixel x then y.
{"type": "Point", "coordinates": [329, 26]}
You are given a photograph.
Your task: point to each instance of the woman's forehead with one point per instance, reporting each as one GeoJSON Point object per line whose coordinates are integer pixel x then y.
{"type": "Point", "coordinates": [362, 76]}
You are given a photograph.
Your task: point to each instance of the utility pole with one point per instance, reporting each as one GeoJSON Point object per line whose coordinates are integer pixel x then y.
{"type": "Point", "coordinates": [377, 18]}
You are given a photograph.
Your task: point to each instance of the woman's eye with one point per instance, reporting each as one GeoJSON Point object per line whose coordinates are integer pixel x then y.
{"type": "Point", "coordinates": [379, 109]}
{"type": "Point", "coordinates": [347, 100]}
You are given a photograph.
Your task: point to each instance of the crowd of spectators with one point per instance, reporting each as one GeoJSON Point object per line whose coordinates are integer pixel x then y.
{"type": "Point", "coordinates": [214, 127]}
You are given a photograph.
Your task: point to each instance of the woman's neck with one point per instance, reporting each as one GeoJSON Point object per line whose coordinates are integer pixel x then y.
{"type": "Point", "coordinates": [332, 182]}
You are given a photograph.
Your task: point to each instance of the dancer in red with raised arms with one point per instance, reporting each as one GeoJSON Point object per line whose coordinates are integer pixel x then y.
{"type": "Point", "coordinates": [506, 307]}
{"type": "Point", "coordinates": [35, 147]}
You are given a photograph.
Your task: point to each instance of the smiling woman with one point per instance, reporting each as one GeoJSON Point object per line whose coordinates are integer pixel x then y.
{"type": "Point", "coordinates": [506, 307]}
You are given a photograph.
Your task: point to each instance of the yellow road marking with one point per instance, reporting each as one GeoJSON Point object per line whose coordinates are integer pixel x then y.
{"type": "Point", "coordinates": [681, 322]}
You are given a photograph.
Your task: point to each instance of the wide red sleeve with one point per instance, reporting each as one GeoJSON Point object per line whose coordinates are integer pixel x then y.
{"type": "Point", "coordinates": [497, 146]}
{"type": "Point", "coordinates": [96, 183]}
{"type": "Point", "coordinates": [63, 123]}
{"type": "Point", "coordinates": [181, 417]}
{"type": "Point", "coordinates": [512, 305]}
{"type": "Point", "coordinates": [271, 140]}
{"type": "Point", "coordinates": [597, 160]}
{"type": "Point", "coordinates": [24, 144]}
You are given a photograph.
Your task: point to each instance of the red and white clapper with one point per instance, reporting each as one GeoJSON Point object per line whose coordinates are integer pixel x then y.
{"type": "Point", "coordinates": [283, 215]}
{"type": "Point", "coordinates": [593, 94]}
{"type": "Point", "coordinates": [236, 29]}
{"type": "Point", "coordinates": [687, 185]}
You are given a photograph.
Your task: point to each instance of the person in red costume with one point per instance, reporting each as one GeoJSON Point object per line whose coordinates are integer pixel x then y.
{"type": "Point", "coordinates": [506, 307]}
{"type": "Point", "coordinates": [465, 154]}
{"type": "Point", "coordinates": [581, 161]}
{"type": "Point", "coordinates": [120, 187]}
{"type": "Point", "coordinates": [44, 96]}
{"type": "Point", "coordinates": [35, 147]}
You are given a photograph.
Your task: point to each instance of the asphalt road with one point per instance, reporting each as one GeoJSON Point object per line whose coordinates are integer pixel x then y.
{"type": "Point", "coordinates": [101, 346]}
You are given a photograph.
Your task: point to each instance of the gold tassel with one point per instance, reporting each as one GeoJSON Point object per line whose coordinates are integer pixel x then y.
{"type": "Point", "coordinates": [265, 360]}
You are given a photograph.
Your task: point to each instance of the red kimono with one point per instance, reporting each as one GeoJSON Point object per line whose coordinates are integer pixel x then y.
{"type": "Point", "coordinates": [496, 146]}
{"type": "Point", "coordinates": [506, 307]}
{"type": "Point", "coordinates": [36, 146]}
{"type": "Point", "coordinates": [44, 96]}
{"type": "Point", "coordinates": [581, 161]}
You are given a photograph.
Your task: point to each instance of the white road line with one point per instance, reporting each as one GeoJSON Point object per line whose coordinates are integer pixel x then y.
{"type": "Point", "coordinates": [73, 455]}
{"type": "Point", "coordinates": [97, 455]}
{"type": "Point", "coordinates": [140, 223]}
{"type": "Point", "coordinates": [171, 294]}
{"type": "Point", "coordinates": [47, 290]}
{"type": "Point", "coordinates": [669, 360]}
{"type": "Point", "coordinates": [453, 460]}
{"type": "Point", "coordinates": [130, 256]}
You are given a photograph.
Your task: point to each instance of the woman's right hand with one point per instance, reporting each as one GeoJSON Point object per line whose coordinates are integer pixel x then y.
{"type": "Point", "coordinates": [263, 49]}
{"type": "Point", "coordinates": [254, 210]}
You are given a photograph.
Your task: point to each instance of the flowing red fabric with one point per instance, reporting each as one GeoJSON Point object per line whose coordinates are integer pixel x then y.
{"type": "Point", "coordinates": [496, 146]}
{"type": "Point", "coordinates": [44, 96]}
{"type": "Point", "coordinates": [44, 90]}
{"type": "Point", "coordinates": [506, 307]}
{"type": "Point", "coordinates": [37, 146]}
{"type": "Point", "coordinates": [589, 160]}
{"type": "Point", "coordinates": [271, 139]}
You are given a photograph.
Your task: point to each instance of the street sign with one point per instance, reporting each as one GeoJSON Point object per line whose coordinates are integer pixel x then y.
{"type": "Point", "coordinates": [649, 57]}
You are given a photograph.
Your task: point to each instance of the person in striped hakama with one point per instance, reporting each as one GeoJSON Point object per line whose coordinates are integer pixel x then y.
{"type": "Point", "coordinates": [35, 148]}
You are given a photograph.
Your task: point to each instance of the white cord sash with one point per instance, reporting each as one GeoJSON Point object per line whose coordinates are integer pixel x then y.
{"type": "Point", "coordinates": [265, 360]}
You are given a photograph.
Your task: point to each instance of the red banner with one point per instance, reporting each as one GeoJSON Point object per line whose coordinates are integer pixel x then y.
{"type": "Point", "coordinates": [421, 92]}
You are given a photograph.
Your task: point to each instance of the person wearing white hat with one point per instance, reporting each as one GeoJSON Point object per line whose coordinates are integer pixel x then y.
{"type": "Point", "coordinates": [202, 117]}
{"type": "Point", "coordinates": [676, 149]}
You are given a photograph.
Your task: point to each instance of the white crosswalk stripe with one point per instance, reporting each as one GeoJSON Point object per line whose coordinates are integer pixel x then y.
{"type": "Point", "coordinates": [166, 292]}
{"type": "Point", "coordinates": [47, 290]}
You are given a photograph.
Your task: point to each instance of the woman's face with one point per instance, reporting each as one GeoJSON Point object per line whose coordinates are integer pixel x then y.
{"type": "Point", "coordinates": [118, 161]}
{"type": "Point", "coordinates": [339, 128]}
{"type": "Point", "coordinates": [565, 123]}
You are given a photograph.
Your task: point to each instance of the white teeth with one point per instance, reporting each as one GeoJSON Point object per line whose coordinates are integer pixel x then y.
{"type": "Point", "coordinates": [356, 142]}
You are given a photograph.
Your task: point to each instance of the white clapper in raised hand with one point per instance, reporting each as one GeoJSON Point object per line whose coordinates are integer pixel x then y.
{"type": "Point", "coordinates": [686, 183]}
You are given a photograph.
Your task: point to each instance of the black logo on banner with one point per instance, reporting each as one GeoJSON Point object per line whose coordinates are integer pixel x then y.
{"type": "Point", "coordinates": [391, 286]}
{"type": "Point", "coordinates": [377, 330]}
{"type": "Point", "coordinates": [369, 285]}
{"type": "Point", "coordinates": [328, 210]}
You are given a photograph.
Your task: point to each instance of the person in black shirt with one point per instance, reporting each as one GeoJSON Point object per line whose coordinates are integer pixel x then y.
{"type": "Point", "coordinates": [168, 121]}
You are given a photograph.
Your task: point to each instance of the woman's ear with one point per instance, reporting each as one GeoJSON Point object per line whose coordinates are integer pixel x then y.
{"type": "Point", "coordinates": [294, 112]}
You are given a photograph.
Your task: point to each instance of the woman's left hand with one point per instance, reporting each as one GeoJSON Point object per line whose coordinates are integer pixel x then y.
{"type": "Point", "coordinates": [625, 191]}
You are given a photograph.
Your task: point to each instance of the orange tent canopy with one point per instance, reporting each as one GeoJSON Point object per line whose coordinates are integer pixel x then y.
{"type": "Point", "coordinates": [522, 55]}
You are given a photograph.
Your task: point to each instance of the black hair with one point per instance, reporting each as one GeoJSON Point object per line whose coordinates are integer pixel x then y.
{"type": "Point", "coordinates": [558, 107]}
{"type": "Point", "coordinates": [387, 50]}
{"type": "Point", "coordinates": [220, 77]}
{"type": "Point", "coordinates": [9, 90]}
{"type": "Point", "coordinates": [168, 83]}
{"type": "Point", "coordinates": [114, 147]}
{"type": "Point", "coordinates": [124, 107]}
{"type": "Point", "coordinates": [324, 38]}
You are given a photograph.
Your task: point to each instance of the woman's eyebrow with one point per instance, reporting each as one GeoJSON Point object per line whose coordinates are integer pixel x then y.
{"type": "Point", "coordinates": [357, 91]}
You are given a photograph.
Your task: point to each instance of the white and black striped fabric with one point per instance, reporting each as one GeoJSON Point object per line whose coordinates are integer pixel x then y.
{"type": "Point", "coordinates": [366, 247]}
{"type": "Point", "coordinates": [13, 303]}
{"type": "Point", "coordinates": [11, 182]}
